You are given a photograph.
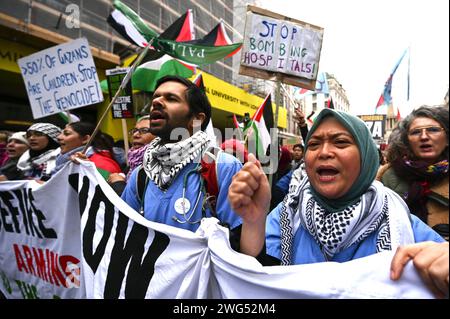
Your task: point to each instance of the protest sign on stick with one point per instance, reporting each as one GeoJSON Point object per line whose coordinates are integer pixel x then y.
{"type": "Point", "coordinates": [61, 78]}
{"type": "Point", "coordinates": [280, 48]}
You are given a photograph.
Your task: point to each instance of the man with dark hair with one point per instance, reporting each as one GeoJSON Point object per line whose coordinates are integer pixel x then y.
{"type": "Point", "coordinates": [174, 191]}
{"type": "Point", "coordinates": [297, 155]}
{"type": "Point", "coordinates": [198, 106]}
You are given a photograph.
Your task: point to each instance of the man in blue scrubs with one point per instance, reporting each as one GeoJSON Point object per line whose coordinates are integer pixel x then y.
{"type": "Point", "coordinates": [174, 190]}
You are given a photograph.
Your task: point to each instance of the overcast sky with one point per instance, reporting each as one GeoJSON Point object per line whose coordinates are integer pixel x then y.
{"type": "Point", "coordinates": [364, 39]}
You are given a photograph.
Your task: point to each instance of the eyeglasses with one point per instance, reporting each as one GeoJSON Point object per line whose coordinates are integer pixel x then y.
{"type": "Point", "coordinates": [35, 133]}
{"type": "Point", "coordinates": [429, 130]}
{"type": "Point", "coordinates": [143, 130]}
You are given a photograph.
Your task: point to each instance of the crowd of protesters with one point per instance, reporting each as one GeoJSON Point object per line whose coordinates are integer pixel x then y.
{"type": "Point", "coordinates": [333, 198]}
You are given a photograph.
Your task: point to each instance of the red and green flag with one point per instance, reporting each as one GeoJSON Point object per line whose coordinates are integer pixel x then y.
{"type": "Point", "coordinates": [259, 126]}
{"type": "Point", "coordinates": [177, 41]}
{"type": "Point", "coordinates": [194, 53]}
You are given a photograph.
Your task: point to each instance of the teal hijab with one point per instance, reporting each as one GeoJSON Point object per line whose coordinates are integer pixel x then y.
{"type": "Point", "coordinates": [368, 153]}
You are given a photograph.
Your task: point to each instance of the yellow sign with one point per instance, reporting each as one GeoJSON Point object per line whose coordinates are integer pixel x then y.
{"type": "Point", "coordinates": [227, 97]}
{"type": "Point", "coordinates": [374, 117]}
{"type": "Point", "coordinates": [10, 52]}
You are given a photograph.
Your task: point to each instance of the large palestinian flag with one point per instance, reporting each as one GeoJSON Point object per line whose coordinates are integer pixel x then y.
{"type": "Point", "coordinates": [146, 74]}
{"type": "Point", "coordinates": [177, 40]}
{"type": "Point", "coordinates": [195, 53]}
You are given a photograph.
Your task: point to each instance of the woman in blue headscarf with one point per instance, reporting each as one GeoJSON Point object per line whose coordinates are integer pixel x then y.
{"type": "Point", "coordinates": [339, 212]}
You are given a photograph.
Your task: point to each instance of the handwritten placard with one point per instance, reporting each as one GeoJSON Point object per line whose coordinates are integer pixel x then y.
{"type": "Point", "coordinates": [61, 78]}
{"type": "Point", "coordinates": [281, 47]}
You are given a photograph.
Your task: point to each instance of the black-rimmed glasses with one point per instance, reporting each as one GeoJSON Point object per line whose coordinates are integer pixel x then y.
{"type": "Point", "coordinates": [143, 130]}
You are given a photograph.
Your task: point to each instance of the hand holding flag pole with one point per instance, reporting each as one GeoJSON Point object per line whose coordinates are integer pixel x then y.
{"type": "Point", "coordinates": [121, 87]}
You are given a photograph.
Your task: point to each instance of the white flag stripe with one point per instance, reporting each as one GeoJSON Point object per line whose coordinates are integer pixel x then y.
{"type": "Point", "coordinates": [132, 32]}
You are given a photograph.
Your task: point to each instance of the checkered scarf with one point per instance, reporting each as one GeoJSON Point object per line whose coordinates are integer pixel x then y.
{"type": "Point", "coordinates": [48, 129]}
{"type": "Point", "coordinates": [163, 162]}
{"type": "Point", "coordinates": [337, 231]}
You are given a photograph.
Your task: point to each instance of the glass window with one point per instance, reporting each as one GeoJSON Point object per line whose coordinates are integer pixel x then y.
{"type": "Point", "coordinates": [99, 8]}
{"type": "Point", "coordinates": [95, 39]}
{"type": "Point", "coordinates": [19, 10]}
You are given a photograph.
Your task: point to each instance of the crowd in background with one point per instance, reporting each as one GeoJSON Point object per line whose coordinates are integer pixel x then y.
{"type": "Point", "coordinates": [408, 181]}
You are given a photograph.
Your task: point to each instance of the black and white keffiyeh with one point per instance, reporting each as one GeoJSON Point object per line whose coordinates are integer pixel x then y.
{"type": "Point", "coordinates": [44, 163]}
{"type": "Point", "coordinates": [52, 131]}
{"type": "Point", "coordinates": [162, 162]}
{"type": "Point", "coordinates": [337, 231]}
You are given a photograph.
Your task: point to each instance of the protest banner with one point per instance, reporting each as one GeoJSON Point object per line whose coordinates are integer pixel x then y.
{"type": "Point", "coordinates": [61, 78]}
{"type": "Point", "coordinates": [280, 48]}
{"type": "Point", "coordinates": [40, 251]}
{"type": "Point", "coordinates": [376, 123]}
{"type": "Point", "coordinates": [114, 252]}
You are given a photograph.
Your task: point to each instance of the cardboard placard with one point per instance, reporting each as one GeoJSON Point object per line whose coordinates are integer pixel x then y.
{"type": "Point", "coordinates": [280, 48]}
{"type": "Point", "coordinates": [61, 78]}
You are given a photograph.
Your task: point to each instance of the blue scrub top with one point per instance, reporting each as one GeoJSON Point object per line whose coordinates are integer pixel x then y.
{"type": "Point", "coordinates": [159, 206]}
{"type": "Point", "coordinates": [307, 251]}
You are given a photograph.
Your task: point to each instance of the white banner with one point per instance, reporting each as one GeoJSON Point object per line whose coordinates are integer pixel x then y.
{"type": "Point", "coordinates": [127, 256]}
{"type": "Point", "coordinates": [61, 78]}
{"type": "Point", "coordinates": [40, 250]}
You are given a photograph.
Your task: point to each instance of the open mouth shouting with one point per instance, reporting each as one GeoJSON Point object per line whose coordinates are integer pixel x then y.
{"type": "Point", "coordinates": [327, 173]}
{"type": "Point", "coordinates": [157, 118]}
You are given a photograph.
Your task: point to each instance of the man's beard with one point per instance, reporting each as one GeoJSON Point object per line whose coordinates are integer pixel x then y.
{"type": "Point", "coordinates": [171, 133]}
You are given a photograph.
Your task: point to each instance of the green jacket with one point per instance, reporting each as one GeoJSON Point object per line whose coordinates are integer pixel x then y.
{"type": "Point", "coordinates": [437, 205]}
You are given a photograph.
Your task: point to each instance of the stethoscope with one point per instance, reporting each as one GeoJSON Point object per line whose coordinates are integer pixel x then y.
{"type": "Point", "coordinates": [186, 215]}
{"type": "Point", "coordinates": [205, 204]}
{"type": "Point", "coordinates": [187, 218]}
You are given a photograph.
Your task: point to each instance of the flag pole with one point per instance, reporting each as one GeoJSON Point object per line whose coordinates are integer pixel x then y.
{"type": "Point", "coordinates": [274, 136]}
{"type": "Point", "coordinates": [125, 138]}
{"type": "Point", "coordinates": [119, 90]}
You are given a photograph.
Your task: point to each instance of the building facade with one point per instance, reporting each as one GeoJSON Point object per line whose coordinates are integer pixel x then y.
{"type": "Point", "coordinates": [313, 103]}
{"type": "Point", "coordinates": [30, 26]}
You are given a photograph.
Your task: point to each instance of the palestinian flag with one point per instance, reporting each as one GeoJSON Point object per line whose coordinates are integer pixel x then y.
{"type": "Point", "coordinates": [193, 53]}
{"type": "Point", "coordinates": [181, 30]}
{"type": "Point", "coordinates": [259, 126]}
{"type": "Point", "coordinates": [216, 37]}
{"type": "Point", "coordinates": [173, 41]}
{"type": "Point", "coordinates": [130, 26]}
{"type": "Point", "coordinates": [188, 52]}
{"type": "Point", "coordinates": [198, 80]}
{"type": "Point", "coordinates": [146, 75]}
